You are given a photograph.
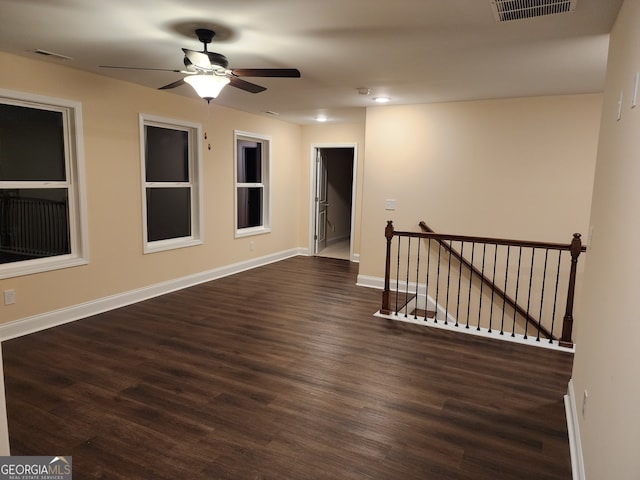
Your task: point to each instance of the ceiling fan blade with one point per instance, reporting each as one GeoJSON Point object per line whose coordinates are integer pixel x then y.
{"type": "Point", "coordinates": [267, 72]}
{"type": "Point", "coordinates": [175, 84]}
{"type": "Point", "coordinates": [246, 86]}
{"type": "Point", "coordinates": [198, 59]}
{"type": "Point", "coordinates": [140, 68]}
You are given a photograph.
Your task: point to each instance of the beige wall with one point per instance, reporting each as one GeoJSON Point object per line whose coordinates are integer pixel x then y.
{"type": "Point", "coordinates": [110, 111]}
{"type": "Point", "coordinates": [517, 168]}
{"type": "Point", "coordinates": [607, 358]}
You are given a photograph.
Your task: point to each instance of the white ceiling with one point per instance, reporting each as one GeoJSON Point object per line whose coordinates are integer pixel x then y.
{"type": "Point", "coordinates": [414, 51]}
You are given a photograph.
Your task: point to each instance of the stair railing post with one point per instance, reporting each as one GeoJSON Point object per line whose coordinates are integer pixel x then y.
{"type": "Point", "coordinates": [388, 233]}
{"type": "Point", "coordinates": [567, 324]}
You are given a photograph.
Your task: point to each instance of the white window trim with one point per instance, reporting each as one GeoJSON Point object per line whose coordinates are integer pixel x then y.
{"type": "Point", "coordinates": [195, 174]}
{"type": "Point", "coordinates": [266, 183]}
{"type": "Point", "coordinates": [74, 165]}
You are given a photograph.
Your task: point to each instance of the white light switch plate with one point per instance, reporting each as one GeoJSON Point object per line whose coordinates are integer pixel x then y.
{"type": "Point", "coordinates": [9, 297]}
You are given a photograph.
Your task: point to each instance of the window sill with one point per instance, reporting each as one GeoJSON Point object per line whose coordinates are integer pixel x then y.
{"type": "Point", "coordinates": [247, 232]}
{"type": "Point", "coordinates": [31, 267]}
{"type": "Point", "coordinates": [164, 245]}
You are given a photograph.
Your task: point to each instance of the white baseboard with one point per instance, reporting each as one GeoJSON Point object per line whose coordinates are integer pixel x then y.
{"type": "Point", "coordinates": [46, 320]}
{"type": "Point", "coordinates": [370, 282]}
{"type": "Point", "coordinates": [573, 428]}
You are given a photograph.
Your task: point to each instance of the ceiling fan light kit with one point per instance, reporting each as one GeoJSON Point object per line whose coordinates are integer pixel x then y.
{"type": "Point", "coordinates": [207, 87]}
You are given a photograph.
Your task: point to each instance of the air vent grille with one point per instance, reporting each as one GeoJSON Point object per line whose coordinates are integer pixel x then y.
{"type": "Point", "coordinates": [507, 10]}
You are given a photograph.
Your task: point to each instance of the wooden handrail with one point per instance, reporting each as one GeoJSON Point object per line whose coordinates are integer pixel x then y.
{"type": "Point", "coordinates": [494, 241]}
{"type": "Point", "coordinates": [497, 290]}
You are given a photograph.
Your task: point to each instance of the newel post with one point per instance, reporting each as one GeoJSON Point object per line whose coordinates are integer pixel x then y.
{"type": "Point", "coordinates": [567, 324]}
{"type": "Point", "coordinates": [388, 233]}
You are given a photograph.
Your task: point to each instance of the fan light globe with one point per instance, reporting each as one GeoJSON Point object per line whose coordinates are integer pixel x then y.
{"type": "Point", "coordinates": [207, 86]}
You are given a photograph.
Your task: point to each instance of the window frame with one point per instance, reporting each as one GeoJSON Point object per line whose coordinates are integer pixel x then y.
{"type": "Point", "coordinates": [194, 131]}
{"type": "Point", "coordinates": [264, 184]}
{"type": "Point", "coordinates": [74, 183]}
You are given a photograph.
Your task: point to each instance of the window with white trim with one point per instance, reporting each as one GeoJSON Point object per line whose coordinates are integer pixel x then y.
{"type": "Point", "coordinates": [171, 183]}
{"type": "Point", "coordinates": [42, 204]}
{"type": "Point", "coordinates": [252, 199]}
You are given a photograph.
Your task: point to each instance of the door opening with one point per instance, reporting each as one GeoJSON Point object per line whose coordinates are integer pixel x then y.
{"type": "Point", "coordinates": [333, 200]}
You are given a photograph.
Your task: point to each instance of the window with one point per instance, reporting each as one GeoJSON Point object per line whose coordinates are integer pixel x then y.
{"type": "Point", "coordinates": [171, 185]}
{"type": "Point", "coordinates": [252, 154]}
{"type": "Point", "coordinates": [42, 219]}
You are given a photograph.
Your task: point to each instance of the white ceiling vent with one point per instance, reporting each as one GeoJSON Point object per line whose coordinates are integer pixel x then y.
{"type": "Point", "coordinates": [507, 10]}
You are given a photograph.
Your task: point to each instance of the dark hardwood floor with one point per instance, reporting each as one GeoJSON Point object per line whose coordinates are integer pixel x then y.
{"type": "Point", "coordinates": [282, 372]}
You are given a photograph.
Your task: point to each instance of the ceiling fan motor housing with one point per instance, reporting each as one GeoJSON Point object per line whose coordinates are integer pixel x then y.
{"type": "Point", "coordinates": [205, 35]}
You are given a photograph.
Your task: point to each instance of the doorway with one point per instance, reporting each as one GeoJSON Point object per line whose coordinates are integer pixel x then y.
{"type": "Point", "coordinates": [333, 194]}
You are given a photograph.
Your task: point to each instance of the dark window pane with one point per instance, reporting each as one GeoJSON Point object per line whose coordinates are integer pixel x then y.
{"type": "Point", "coordinates": [167, 155]}
{"type": "Point", "coordinates": [249, 207]}
{"type": "Point", "coordinates": [34, 223]}
{"type": "Point", "coordinates": [249, 162]}
{"type": "Point", "coordinates": [31, 144]}
{"type": "Point", "coordinates": [168, 213]}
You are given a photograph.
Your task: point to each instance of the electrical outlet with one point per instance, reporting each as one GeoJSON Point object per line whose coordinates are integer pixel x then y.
{"type": "Point", "coordinates": [9, 297]}
{"type": "Point", "coordinates": [585, 397]}
{"type": "Point", "coordinates": [252, 246]}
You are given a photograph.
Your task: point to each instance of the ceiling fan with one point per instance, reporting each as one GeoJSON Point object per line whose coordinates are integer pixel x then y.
{"type": "Point", "coordinates": [207, 72]}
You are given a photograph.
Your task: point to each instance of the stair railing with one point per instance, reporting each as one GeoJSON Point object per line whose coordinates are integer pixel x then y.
{"type": "Point", "coordinates": [411, 280]}
{"type": "Point", "coordinates": [488, 282]}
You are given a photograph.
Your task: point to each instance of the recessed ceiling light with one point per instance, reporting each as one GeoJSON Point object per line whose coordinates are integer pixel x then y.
{"type": "Point", "coordinates": [381, 99]}
{"type": "Point", "coordinates": [321, 118]}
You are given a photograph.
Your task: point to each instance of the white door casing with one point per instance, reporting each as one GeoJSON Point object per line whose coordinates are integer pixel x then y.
{"type": "Point", "coordinates": [313, 187]}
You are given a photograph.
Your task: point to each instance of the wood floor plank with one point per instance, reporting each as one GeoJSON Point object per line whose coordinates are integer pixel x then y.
{"type": "Point", "coordinates": [283, 372]}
